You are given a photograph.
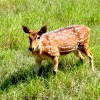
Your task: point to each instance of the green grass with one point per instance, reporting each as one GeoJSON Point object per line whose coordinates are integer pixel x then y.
{"type": "Point", "coordinates": [74, 81]}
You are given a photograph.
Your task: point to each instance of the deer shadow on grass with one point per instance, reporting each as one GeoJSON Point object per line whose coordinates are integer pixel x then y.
{"type": "Point", "coordinates": [21, 75]}
{"type": "Point", "coordinates": [25, 75]}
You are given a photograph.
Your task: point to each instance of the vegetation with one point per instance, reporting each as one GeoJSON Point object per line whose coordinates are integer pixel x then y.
{"type": "Point", "coordinates": [74, 81]}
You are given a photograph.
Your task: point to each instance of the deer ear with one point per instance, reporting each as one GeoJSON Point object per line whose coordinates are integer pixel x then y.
{"type": "Point", "coordinates": [43, 30]}
{"type": "Point", "coordinates": [26, 29]}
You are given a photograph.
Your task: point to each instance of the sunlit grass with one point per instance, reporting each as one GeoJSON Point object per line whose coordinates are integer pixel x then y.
{"type": "Point", "coordinates": [74, 81]}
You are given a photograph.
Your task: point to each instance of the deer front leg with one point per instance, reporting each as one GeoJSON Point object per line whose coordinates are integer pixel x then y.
{"type": "Point", "coordinates": [55, 60]}
{"type": "Point", "coordinates": [37, 65]}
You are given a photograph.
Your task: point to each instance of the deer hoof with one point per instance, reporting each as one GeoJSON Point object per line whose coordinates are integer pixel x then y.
{"type": "Point", "coordinates": [54, 72]}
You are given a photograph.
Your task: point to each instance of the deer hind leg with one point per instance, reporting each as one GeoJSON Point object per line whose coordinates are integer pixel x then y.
{"type": "Point", "coordinates": [80, 55]}
{"type": "Point", "coordinates": [86, 51]}
{"type": "Point", "coordinates": [55, 60]}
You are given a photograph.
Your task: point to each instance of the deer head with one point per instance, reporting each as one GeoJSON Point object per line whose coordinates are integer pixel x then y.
{"type": "Point", "coordinates": [34, 37]}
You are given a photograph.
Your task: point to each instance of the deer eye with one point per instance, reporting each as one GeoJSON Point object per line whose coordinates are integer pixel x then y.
{"type": "Point", "coordinates": [38, 37]}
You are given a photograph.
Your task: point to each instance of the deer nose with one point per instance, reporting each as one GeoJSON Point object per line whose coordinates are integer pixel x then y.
{"type": "Point", "coordinates": [31, 49]}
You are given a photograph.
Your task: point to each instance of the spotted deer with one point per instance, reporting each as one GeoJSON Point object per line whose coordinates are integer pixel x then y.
{"type": "Point", "coordinates": [44, 45]}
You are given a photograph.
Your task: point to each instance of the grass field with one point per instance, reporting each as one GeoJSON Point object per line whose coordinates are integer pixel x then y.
{"type": "Point", "coordinates": [74, 81]}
